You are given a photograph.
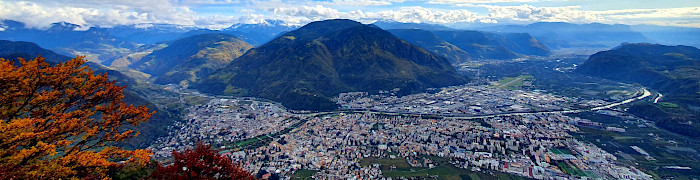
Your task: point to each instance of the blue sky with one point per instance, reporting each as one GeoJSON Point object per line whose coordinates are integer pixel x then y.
{"type": "Point", "coordinates": [217, 14]}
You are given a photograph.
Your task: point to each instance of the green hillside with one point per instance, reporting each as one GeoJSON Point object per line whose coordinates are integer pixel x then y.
{"type": "Point", "coordinates": [191, 58]}
{"type": "Point", "coordinates": [674, 71]}
{"type": "Point", "coordinates": [432, 43]}
{"type": "Point", "coordinates": [305, 68]}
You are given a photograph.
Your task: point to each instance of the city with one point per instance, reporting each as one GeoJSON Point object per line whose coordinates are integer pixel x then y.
{"type": "Point", "coordinates": [492, 133]}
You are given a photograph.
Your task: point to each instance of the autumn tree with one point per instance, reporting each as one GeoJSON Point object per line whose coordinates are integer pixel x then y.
{"type": "Point", "coordinates": [61, 121]}
{"type": "Point", "coordinates": [202, 162]}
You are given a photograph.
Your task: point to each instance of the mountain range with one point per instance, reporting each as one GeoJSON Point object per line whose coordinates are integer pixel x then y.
{"type": "Point", "coordinates": [462, 45]}
{"type": "Point", "coordinates": [432, 43]}
{"type": "Point", "coordinates": [670, 34]}
{"type": "Point", "coordinates": [149, 33]}
{"type": "Point", "coordinates": [558, 35]}
{"type": "Point", "coordinates": [422, 26]}
{"type": "Point", "coordinates": [292, 65]}
{"type": "Point", "coordinates": [70, 39]}
{"type": "Point", "coordinates": [262, 32]}
{"type": "Point", "coordinates": [106, 44]}
{"type": "Point", "coordinates": [485, 45]}
{"type": "Point", "coordinates": [305, 68]}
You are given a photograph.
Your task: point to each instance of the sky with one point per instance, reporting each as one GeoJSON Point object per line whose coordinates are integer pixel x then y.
{"type": "Point", "coordinates": [217, 14]}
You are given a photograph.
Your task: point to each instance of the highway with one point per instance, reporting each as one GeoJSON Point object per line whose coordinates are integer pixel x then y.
{"type": "Point", "coordinates": [657, 98]}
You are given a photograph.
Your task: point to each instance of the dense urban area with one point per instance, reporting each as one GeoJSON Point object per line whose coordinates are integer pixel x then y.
{"type": "Point", "coordinates": [476, 128]}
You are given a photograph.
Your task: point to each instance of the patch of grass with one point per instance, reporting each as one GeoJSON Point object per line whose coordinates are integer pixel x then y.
{"type": "Point", "coordinates": [444, 170]}
{"type": "Point", "coordinates": [304, 174]}
{"type": "Point", "coordinates": [196, 100]}
{"type": "Point", "coordinates": [399, 162]}
{"type": "Point", "coordinates": [513, 82]}
{"type": "Point", "coordinates": [262, 140]}
{"type": "Point", "coordinates": [668, 105]}
{"type": "Point", "coordinates": [570, 169]}
{"type": "Point", "coordinates": [560, 151]}
{"type": "Point", "coordinates": [473, 176]}
{"type": "Point", "coordinates": [246, 142]}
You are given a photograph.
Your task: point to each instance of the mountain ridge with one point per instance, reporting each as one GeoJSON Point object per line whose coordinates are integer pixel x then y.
{"type": "Point", "coordinates": [557, 35]}
{"type": "Point", "coordinates": [429, 41]}
{"type": "Point", "coordinates": [325, 58]}
{"type": "Point", "coordinates": [192, 57]}
{"type": "Point", "coordinates": [671, 70]}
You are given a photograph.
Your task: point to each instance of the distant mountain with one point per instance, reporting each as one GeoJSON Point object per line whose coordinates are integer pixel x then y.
{"type": "Point", "coordinates": [523, 43]}
{"type": "Point", "coordinates": [558, 35]}
{"type": "Point", "coordinates": [479, 44]}
{"type": "Point", "coordinates": [150, 33]}
{"type": "Point", "coordinates": [670, 35]}
{"type": "Point", "coordinates": [69, 39]}
{"type": "Point", "coordinates": [671, 70]}
{"type": "Point", "coordinates": [262, 32]}
{"type": "Point", "coordinates": [432, 43]}
{"type": "Point", "coordinates": [305, 68]}
{"type": "Point", "coordinates": [136, 55]}
{"type": "Point", "coordinates": [191, 58]}
{"type": "Point", "coordinates": [150, 130]}
{"type": "Point", "coordinates": [11, 50]}
{"type": "Point", "coordinates": [388, 25]}
{"type": "Point", "coordinates": [666, 68]}
{"type": "Point", "coordinates": [485, 45]}
{"type": "Point", "coordinates": [255, 34]}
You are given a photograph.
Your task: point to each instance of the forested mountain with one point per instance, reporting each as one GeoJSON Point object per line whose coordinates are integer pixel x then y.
{"type": "Point", "coordinates": [191, 58]}
{"type": "Point", "coordinates": [486, 45]}
{"type": "Point", "coordinates": [432, 43]}
{"type": "Point", "coordinates": [305, 68]}
{"type": "Point", "coordinates": [672, 70]}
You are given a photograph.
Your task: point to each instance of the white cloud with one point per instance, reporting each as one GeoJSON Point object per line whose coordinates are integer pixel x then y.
{"type": "Point", "coordinates": [423, 15]}
{"type": "Point", "coordinates": [222, 13]}
{"type": "Point", "coordinates": [317, 12]}
{"type": "Point", "coordinates": [41, 14]}
{"type": "Point", "coordinates": [213, 2]}
{"type": "Point", "coordinates": [688, 16]}
{"type": "Point", "coordinates": [357, 3]}
{"type": "Point", "coordinates": [456, 2]}
{"type": "Point", "coordinates": [529, 13]}
{"type": "Point", "coordinates": [468, 2]}
{"type": "Point", "coordinates": [405, 14]}
{"type": "Point", "coordinates": [688, 12]}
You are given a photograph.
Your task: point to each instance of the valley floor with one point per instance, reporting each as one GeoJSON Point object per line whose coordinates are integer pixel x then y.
{"type": "Point", "coordinates": [517, 132]}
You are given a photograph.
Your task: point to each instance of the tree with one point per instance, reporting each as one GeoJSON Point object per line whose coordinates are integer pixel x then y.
{"type": "Point", "coordinates": [61, 121]}
{"type": "Point", "coordinates": [201, 163]}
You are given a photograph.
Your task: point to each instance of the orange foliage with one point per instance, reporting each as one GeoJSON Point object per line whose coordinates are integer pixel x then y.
{"type": "Point", "coordinates": [58, 122]}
